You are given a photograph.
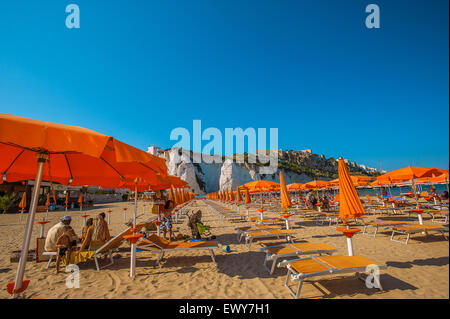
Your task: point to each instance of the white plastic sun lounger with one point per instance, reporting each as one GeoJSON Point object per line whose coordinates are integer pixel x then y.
{"type": "Point", "coordinates": [303, 268]}
{"type": "Point", "coordinates": [288, 250]}
{"type": "Point", "coordinates": [106, 250]}
{"type": "Point", "coordinates": [249, 229]}
{"type": "Point", "coordinates": [378, 224]}
{"type": "Point", "coordinates": [284, 233]}
{"type": "Point", "coordinates": [154, 242]}
{"type": "Point", "coordinates": [416, 228]}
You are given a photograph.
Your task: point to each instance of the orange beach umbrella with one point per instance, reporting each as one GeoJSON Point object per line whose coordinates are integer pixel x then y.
{"type": "Point", "coordinates": [67, 155]}
{"type": "Point", "coordinates": [23, 201]}
{"type": "Point", "coordinates": [239, 196]}
{"type": "Point", "coordinates": [350, 205]}
{"type": "Point", "coordinates": [285, 200]}
{"type": "Point", "coordinates": [248, 199]}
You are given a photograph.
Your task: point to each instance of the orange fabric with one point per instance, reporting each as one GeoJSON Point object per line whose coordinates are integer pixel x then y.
{"type": "Point", "coordinates": [177, 197]}
{"type": "Point", "coordinates": [295, 186]}
{"type": "Point", "coordinates": [260, 184]}
{"type": "Point", "coordinates": [357, 180]}
{"type": "Point", "coordinates": [316, 184]}
{"type": "Point", "coordinates": [441, 178]}
{"type": "Point", "coordinates": [239, 196]}
{"type": "Point", "coordinates": [23, 201]}
{"type": "Point", "coordinates": [231, 194]}
{"type": "Point", "coordinates": [285, 200]}
{"type": "Point", "coordinates": [411, 172]}
{"type": "Point", "coordinates": [350, 205]}
{"type": "Point", "coordinates": [76, 154]}
{"type": "Point", "coordinates": [47, 202]}
{"type": "Point", "coordinates": [248, 199]}
{"type": "Point", "coordinates": [80, 198]}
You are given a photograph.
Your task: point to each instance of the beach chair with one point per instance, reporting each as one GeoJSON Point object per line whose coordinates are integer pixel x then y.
{"type": "Point", "coordinates": [267, 220]}
{"type": "Point", "coordinates": [417, 228]}
{"type": "Point", "coordinates": [280, 233]}
{"type": "Point", "coordinates": [242, 230]}
{"type": "Point", "coordinates": [378, 224]}
{"type": "Point", "coordinates": [156, 243]}
{"type": "Point", "coordinates": [273, 253]}
{"type": "Point", "coordinates": [438, 213]}
{"type": "Point", "coordinates": [104, 251]}
{"type": "Point", "coordinates": [308, 267]}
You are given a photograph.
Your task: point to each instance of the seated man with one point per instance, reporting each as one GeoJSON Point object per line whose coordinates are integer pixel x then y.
{"type": "Point", "coordinates": [54, 233]}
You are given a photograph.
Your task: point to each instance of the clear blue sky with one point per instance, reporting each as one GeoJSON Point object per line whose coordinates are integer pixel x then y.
{"type": "Point", "coordinates": [137, 69]}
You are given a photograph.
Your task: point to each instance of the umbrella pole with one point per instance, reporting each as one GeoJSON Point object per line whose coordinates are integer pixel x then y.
{"type": "Point", "coordinates": [350, 246]}
{"type": "Point", "coordinates": [135, 207]}
{"type": "Point", "coordinates": [29, 226]}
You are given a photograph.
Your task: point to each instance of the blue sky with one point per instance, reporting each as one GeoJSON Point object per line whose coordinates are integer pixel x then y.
{"type": "Point", "coordinates": [138, 69]}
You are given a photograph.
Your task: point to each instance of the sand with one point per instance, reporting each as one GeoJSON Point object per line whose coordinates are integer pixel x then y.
{"type": "Point", "coordinates": [417, 270]}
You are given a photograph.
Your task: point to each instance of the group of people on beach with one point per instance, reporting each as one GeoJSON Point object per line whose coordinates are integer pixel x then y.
{"type": "Point", "coordinates": [312, 200]}
{"type": "Point", "coordinates": [63, 239]}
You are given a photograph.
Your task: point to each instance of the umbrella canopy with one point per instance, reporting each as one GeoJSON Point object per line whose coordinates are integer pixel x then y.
{"type": "Point", "coordinates": [74, 155]}
{"type": "Point", "coordinates": [294, 186]}
{"type": "Point", "coordinates": [411, 172]}
{"type": "Point", "coordinates": [316, 184]}
{"type": "Point", "coordinates": [443, 178]}
{"type": "Point", "coordinates": [39, 150]}
{"type": "Point", "coordinates": [261, 185]}
{"type": "Point", "coordinates": [350, 205]}
{"type": "Point", "coordinates": [285, 200]}
{"type": "Point", "coordinates": [166, 182]}
{"type": "Point", "coordinates": [356, 180]}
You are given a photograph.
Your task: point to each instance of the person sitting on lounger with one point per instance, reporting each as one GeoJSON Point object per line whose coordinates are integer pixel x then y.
{"type": "Point", "coordinates": [444, 196]}
{"type": "Point", "coordinates": [166, 224]}
{"type": "Point", "coordinates": [54, 233]}
{"type": "Point", "coordinates": [96, 236]}
{"type": "Point", "coordinates": [89, 223]}
{"type": "Point", "coordinates": [64, 245]}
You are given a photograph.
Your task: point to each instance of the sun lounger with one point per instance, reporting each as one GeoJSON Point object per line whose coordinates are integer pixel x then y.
{"type": "Point", "coordinates": [106, 250]}
{"type": "Point", "coordinates": [438, 213]}
{"type": "Point", "coordinates": [250, 236]}
{"type": "Point", "coordinates": [154, 242]}
{"type": "Point", "coordinates": [267, 220]}
{"type": "Point", "coordinates": [416, 228]}
{"type": "Point", "coordinates": [378, 224]}
{"type": "Point", "coordinates": [288, 250]}
{"type": "Point", "coordinates": [325, 265]}
{"type": "Point", "coordinates": [248, 229]}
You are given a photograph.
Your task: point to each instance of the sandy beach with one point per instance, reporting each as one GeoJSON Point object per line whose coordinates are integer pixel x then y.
{"type": "Point", "coordinates": [419, 269]}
